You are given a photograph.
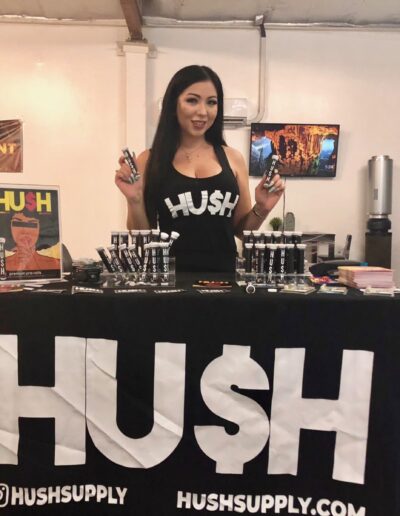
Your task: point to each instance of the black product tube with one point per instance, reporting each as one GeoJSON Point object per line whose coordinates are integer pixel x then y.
{"type": "Point", "coordinates": [126, 257]}
{"type": "Point", "coordinates": [165, 260]}
{"type": "Point", "coordinates": [277, 237]}
{"type": "Point", "coordinates": [300, 248]}
{"type": "Point", "coordinates": [174, 236]}
{"type": "Point", "coordinates": [105, 259]}
{"type": "Point", "coordinates": [287, 237]}
{"type": "Point", "coordinates": [3, 273]}
{"type": "Point", "coordinates": [290, 258]}
{"type": "Point", "coordinates": [146, 259]}
{"type": "Point", "coordinates": [260, 258]}
{"type": "Point", "coordinates": [296, 237]}
{"type": "Point", "coordinates": [266, 258]}
{"type": "Point", "coordinates": [248, 257]}
{"type": "Point", "coordinates": [155, 235]}
{"type": "Point", "coordinates": [247, 237]}
{"type": "Point", "coordinates": [154, 260]}
{"type": "Point", "coordinates": [268, 237]}
{"type": "Point", "coordinates": [142, 240]}
{"type": "Point", "coordinates": [115, 239]}
{"type": "Point", "coordinates": [135, 237]}
{"type": "Point", "coordinates": [271, 260]}
{"type": "Point", "coordinates": [146, 236]}
{"type": "Point", "coordinates": [270, 171]}
{"type": "Point", "coordinates": [257, 237]}
{"type": "Point", "coordinates": [135, 258]}
{"type": "Point", "coordinates": [146, 239]}
{"type": "Point", "coordinates": [129, 159]}
{"type": "Point", "coordinates": [123, 238]}
{"type": "Point", "coordinates": [115, 259]}
{"type": "Point", "coordinates": [282, 260]}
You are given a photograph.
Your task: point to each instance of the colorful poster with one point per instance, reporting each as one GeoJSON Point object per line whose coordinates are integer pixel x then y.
{"type": "Point", "coordinates": [10, 146]}
{"type": "Point", "coordinates": [303, 150]}
{"type": "Point", "coordinates": [30, 232]}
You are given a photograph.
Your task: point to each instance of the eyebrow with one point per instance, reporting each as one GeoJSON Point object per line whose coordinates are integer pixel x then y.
{"type": "Point", "coordinates": [198, 96]}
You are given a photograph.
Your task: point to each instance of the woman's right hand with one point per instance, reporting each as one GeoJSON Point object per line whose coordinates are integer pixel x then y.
{"type": "Point", "coordinates": [132, 191]}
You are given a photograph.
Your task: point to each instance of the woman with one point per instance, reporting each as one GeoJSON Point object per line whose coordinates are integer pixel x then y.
{"type": "Point", "coordinates": [191, 181]}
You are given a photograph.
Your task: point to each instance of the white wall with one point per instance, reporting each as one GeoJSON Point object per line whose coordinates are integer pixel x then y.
{"type": "Point", "coordinates": [67, 84]}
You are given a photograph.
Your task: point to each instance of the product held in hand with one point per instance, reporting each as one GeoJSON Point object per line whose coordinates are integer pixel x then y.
{"type": "Point", "coordinates": [135, 176]}
{"type": "Point", "coordinates": [270, 172]}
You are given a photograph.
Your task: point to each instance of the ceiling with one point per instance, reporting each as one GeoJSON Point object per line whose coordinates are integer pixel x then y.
{"type": "Point", "coordinates": [385, 13]}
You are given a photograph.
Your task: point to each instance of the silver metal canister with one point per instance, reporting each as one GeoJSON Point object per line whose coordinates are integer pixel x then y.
{"type": "Point", "coordinates": [380, 173]}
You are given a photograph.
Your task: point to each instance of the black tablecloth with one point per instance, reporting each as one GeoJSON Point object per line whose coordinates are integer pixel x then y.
{"type": "Point", "coordinates": [211, 329]}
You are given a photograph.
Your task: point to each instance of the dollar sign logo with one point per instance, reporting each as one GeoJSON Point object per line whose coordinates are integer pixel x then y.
{"type": "Point", "coordinates": [215, 202]}
{"type": "Point", "coordinates": [30, 201]}
{"type": "Point", "coordinates": [233, 367]}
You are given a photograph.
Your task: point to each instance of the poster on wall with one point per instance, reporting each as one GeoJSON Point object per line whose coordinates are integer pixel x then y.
{"type": "Point", "coordinates": [30, 243]}
{"type": "Point", "coordinates": [11, 146]}
{"type": "Point", "coordinates": [303, 150]}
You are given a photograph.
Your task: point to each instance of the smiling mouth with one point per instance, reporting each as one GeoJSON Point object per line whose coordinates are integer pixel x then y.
{"type": "Point", "coordinates": [199, 124]}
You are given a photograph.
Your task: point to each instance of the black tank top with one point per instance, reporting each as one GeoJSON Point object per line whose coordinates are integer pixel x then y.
{"type": "Point", "coordinates": [201, 211]}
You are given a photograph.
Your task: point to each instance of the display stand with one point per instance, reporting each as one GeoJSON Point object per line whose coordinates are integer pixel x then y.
{"type": "Point", "coordinates": [296, 283]}
{"type": "Point", "coordinates": [136, 279]}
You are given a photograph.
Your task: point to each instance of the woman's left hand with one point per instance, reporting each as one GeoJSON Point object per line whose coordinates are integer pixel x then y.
{"type": "Point", "coordinates": [266, 198]}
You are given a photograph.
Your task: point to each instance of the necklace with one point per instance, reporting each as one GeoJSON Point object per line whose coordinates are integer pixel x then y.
{"type": "Point", "coordinates": [190, 154]}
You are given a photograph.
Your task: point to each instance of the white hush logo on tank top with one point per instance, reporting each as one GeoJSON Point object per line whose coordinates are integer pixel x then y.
{"type": "Point", "coordinates": [216, 203]}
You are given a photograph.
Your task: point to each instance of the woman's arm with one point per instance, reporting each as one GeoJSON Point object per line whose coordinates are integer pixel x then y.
{"type": "Point", "coordinates": [136, 218]}
{"type": "Point", "coordinates": [247, 216]}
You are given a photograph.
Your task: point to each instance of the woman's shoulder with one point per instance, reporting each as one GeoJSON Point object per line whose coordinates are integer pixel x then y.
{"type": "Point", "coordinates": [142, 160]}
{"type": "Point", "coordinates": [235, 157]}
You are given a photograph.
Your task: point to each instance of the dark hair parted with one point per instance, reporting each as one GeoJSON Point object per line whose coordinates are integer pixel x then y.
{"type": "Point", "coordinates": [167, 138]}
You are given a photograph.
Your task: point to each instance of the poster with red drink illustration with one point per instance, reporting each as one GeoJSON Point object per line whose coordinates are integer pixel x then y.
{"type": "Point", "coordinates": [30, 233]}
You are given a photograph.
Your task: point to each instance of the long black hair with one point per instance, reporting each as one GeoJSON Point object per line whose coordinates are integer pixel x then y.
{"type": "Point", "coordinates": [167, 138]}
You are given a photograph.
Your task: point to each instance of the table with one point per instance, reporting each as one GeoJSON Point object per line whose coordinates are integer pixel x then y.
{"type": "Point", "coordinates": [281, 402]}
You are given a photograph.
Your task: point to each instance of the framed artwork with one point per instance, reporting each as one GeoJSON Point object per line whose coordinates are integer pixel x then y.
{"type": "Point", "coordinates": [11, 146]}
{"type": "Point", "coordinates": [30, 240]}
{"type": "Point", "coordinates": [304, 150]}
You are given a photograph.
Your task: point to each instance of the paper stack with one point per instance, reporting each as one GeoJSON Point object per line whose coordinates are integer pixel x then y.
{"type": "Point", "coordinates": [364, 276]}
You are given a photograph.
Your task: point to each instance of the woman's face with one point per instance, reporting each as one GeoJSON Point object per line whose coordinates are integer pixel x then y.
{"type": "Point", "coordinates": [24, 230]}
{"type": "Point", "coordinates": [197, 108]}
